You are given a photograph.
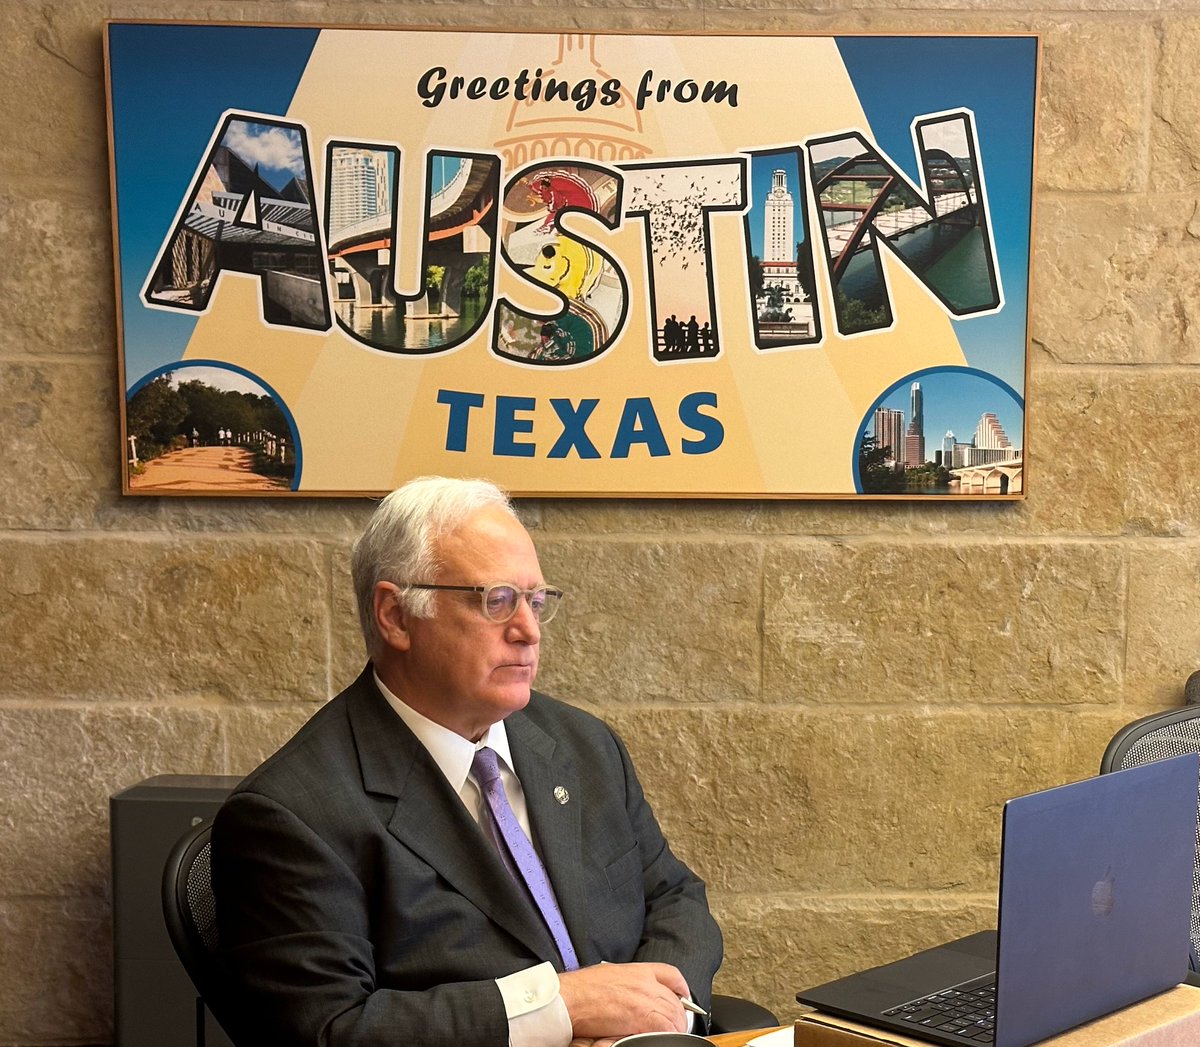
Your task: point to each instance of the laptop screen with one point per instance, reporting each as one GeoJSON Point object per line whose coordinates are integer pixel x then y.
{"type": "Point", "coordinates": [1095, 897]}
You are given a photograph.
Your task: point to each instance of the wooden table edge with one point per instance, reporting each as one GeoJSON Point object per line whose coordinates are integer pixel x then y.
{"type": "Point", "coordinates": [739, 1039]}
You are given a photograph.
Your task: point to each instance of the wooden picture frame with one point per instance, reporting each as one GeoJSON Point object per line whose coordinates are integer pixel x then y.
{"type": "Point", "coordinates": [583, 265]}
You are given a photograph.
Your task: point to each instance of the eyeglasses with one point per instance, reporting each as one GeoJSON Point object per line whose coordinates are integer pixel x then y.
{"type": "Point", "coordinates": [501, 600]}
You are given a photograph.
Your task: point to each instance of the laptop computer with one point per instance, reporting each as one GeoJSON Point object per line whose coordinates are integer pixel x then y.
{"type": "Point", "coordinates": [1094, 915]}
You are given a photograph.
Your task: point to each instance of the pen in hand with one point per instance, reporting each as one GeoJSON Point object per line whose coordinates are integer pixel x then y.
{"type": "Point", "coordinates": [695, 1008]}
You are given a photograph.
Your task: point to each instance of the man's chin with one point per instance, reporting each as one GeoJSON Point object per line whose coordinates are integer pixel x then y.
{"type": "Point", "coordinates": [520, 698]}
{"type": "Point", "coordinates": [495, 705]}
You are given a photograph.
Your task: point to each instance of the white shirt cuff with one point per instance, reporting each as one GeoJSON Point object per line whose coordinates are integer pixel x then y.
{"type": "Point", "coordinates": [537, 1016]}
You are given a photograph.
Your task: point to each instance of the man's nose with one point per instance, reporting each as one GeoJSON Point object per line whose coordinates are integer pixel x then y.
{"type": "Point", "coordinates": [523, 624]}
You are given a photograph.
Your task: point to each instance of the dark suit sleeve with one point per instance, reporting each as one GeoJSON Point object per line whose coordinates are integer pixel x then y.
{"type": "Point", "coordinates": [678, 928]}
{"type": "Point", "coordinates": [295, 933]}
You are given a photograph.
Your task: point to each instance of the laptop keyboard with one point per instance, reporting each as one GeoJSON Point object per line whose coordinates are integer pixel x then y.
{"type": "Point", "coordinates": [969, 1013]}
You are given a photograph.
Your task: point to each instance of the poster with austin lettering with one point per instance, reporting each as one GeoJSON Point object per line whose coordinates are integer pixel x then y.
{"type": "Point", "coordinates": [581, 264]}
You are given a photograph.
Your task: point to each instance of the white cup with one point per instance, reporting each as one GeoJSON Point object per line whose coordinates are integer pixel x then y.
{"type": "Point", "coordinates": [661, 1039]}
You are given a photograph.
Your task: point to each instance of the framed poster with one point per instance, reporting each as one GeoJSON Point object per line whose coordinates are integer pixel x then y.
{"type": "Point", "coordinates": [578, 264]}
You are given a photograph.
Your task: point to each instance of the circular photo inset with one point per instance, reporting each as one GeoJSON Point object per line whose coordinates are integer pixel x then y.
{"type": "Point", "coordinates": [943, 431]}
{"type": "Point", "coordinates": [204, 427]}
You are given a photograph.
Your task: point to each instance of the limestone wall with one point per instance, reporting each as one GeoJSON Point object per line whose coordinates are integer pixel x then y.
{"type": "Point", "coordinates": [828, 702]}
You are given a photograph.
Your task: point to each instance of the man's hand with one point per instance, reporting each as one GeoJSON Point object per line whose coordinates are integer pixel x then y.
{"type": "Point", "coordinates": [620, 999]}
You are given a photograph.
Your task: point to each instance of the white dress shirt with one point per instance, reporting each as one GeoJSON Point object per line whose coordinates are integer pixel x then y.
{"type": "Point", "coordinates": [537, 1016]}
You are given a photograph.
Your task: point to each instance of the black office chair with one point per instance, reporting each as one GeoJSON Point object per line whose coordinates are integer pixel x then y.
{"type": "Point", "coordinates": [733, 1014]}
{"type": "Point", "coordinates": [1157, 737]}
{"type": "Point", "coordinates": [191, 914]}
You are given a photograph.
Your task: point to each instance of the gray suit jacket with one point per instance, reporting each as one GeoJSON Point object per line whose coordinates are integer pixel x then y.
{"type": "Point", "coordinates": [360, 904]}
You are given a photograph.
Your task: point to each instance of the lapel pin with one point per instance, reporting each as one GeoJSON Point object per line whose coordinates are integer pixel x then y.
{"type": "Point", "coordinates": [561, 794]}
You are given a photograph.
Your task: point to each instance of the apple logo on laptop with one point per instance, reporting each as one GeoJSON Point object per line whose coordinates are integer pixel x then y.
{"type": "Point", "coordinates": [1102, 894]}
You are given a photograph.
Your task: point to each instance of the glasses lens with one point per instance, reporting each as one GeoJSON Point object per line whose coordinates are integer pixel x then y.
{"type": "Point", "coordinates": [500, 602]}
{"type": "Point", "coordinates": [544, 603]}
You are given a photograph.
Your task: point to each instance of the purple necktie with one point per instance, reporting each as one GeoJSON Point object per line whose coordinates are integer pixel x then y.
{"type": "Point", "coordinates": [521, 852]}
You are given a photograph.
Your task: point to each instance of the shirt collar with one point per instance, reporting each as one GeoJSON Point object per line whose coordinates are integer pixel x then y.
{"type": "Point", "coordinates": [451, 752]}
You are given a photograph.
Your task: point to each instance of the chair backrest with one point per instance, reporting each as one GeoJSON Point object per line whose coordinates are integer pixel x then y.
{"type": "Point", "coordinates": [1157, 737]}
{"type": "Point", "coordinates": [190, 912]}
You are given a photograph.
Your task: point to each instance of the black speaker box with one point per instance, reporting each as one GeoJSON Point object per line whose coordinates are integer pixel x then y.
{"type": "Point", "coordinates": [155, 1001]}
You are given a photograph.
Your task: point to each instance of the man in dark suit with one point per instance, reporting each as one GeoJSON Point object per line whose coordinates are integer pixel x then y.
{"type": "Point", "coordinates": [377, 878]}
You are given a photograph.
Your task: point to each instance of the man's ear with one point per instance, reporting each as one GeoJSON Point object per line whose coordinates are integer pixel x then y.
{"type": "Point", "coordinates": [391, 617]}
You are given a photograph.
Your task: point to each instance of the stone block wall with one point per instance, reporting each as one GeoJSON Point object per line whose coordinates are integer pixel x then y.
{"type": "Point", "coordinates": [828, 701]}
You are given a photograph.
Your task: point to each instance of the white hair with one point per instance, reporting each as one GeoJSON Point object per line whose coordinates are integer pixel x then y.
{"type": "Point", "coordinates": [397, 544]}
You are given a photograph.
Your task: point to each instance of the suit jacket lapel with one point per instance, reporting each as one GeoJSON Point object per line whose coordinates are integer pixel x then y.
{"type": "Point", "coordinates": [431, 821]}
{"type": "Point", "coordinates": [547, 779]}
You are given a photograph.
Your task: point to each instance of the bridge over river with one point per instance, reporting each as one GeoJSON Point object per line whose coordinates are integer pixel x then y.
{"type": "Point", "coordinates": [1007, 477]}
{"type": "Point", "coordinates": [461, 223]}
